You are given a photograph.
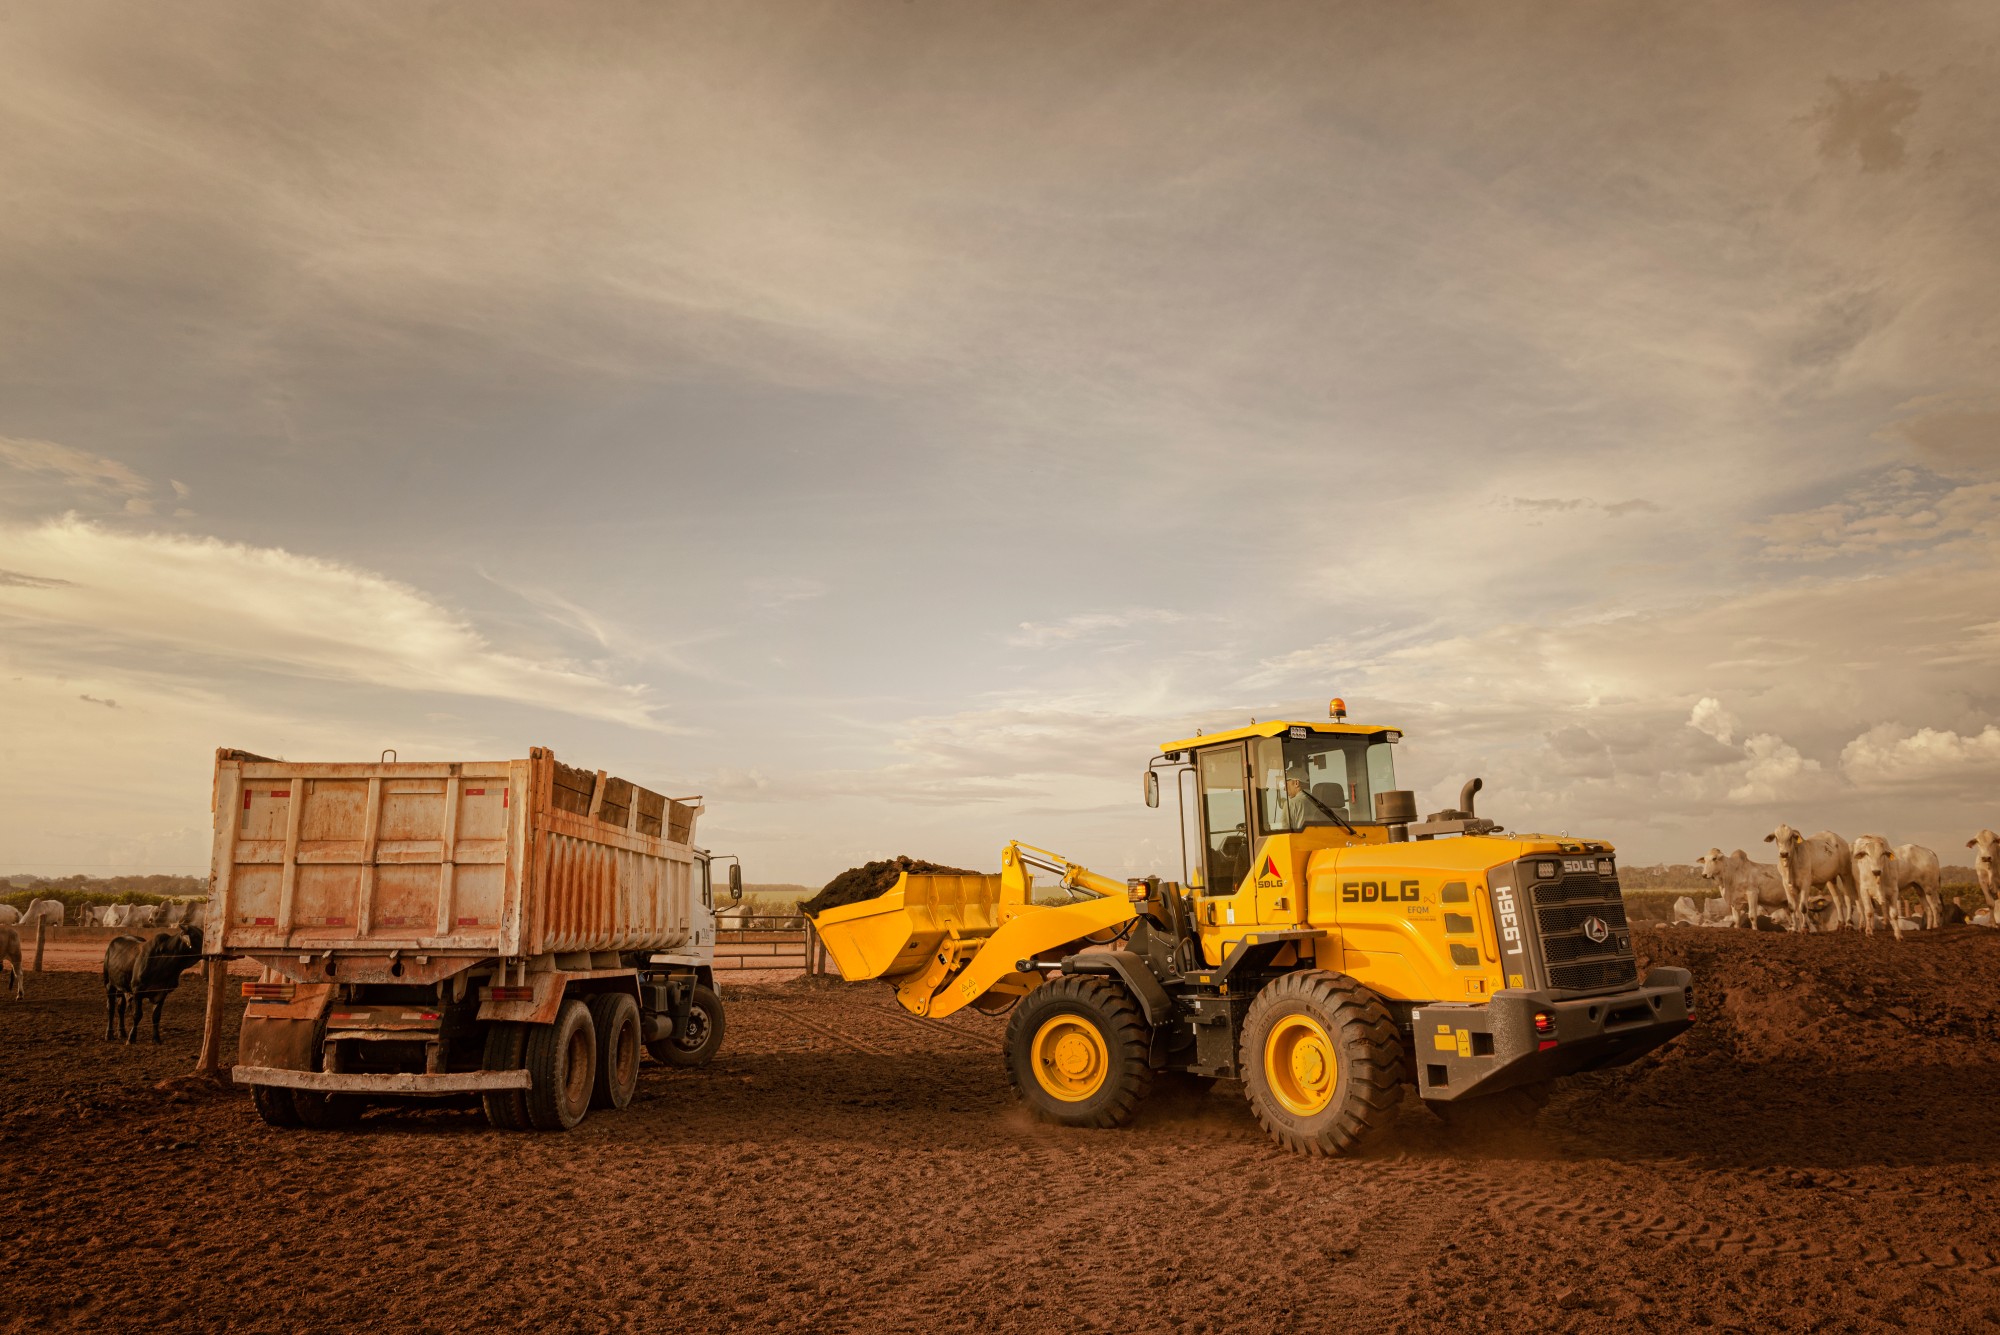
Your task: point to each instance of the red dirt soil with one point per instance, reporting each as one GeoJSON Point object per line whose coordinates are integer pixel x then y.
{"type": "Point", "coordinates": [1818, 1154]}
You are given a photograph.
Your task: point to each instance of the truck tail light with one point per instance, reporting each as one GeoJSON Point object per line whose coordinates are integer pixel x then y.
{"type": "Point", "coordinates": [268, 991]}
{"type": "Point", "coordinates": [1545, 1023]}
{"type": "Point", "coordinates": [510, 994]}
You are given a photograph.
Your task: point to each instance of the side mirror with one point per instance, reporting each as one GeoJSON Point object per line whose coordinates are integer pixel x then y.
{"type": "Point", "coordinates": [1152, 788]}
{"type": "Point", "coordinates": [736, 882]}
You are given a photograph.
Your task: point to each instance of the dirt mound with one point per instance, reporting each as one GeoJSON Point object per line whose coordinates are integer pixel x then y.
{"type": "Point", "coordinates": [1841, 1000]}
{"type": "Point", "coordinates": [869, 880]}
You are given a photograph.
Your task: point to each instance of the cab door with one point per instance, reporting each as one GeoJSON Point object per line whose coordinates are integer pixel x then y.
{"type": "Point", "coordinates": [1223, 797]}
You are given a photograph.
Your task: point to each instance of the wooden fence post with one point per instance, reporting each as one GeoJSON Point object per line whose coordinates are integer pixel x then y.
{"type": "Point", "coordinates": [210, 1061]}
{"type": "Point", "coordinates": [41, 935]}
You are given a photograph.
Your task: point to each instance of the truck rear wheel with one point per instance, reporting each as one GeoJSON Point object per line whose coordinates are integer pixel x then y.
{"type": "Point", "coordinates": [1076, 1052]}
{"type": "Point", "coordinates": [562, 1064]}
{"type": "Point", "coordinates": [506, 1050]}
{"type": "Point", "coordinates": [274, 1105]}
{"type": "Point", "coordinates": [1322, 1062]}
{"type": "Point", "coordinates": [615, 1016]}
{"type": "Point", "coordinates": [326, 1112]}
{"type": "Point", "coordinates": [702, 1038]}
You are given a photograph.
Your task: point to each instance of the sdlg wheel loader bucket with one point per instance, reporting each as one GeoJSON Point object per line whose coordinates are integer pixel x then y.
{"type": "Point", "coordinates": [948, 941]}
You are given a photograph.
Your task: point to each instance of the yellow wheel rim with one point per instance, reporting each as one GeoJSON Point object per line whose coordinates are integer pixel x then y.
{"type": "Point", "coordinates": [1300, 1065]}
{"type": "Point", "coordinates": [1070, 1058]}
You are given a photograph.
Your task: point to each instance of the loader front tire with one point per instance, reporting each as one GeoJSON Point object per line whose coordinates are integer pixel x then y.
{"type": "Point", "coordinates": [1076, 1052]}
{"type": "Point", "coordinates": [1322, 1062]}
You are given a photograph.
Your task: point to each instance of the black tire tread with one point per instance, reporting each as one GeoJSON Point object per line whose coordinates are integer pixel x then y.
{"type": "Point", "coordinates": [1370, 1054]}
{"type": "Point", "coordinates": [672, 1054]}
{"type": "Point", "coordinates": [506, 1050]}
{"type": "Point", "coordinates": [1126, 1035]}
{"type": "Point", "coordinates": [274, 1104]}
{"type": "Point", "coordinates": [606, 1011]}
{"type": "Point", "coordinates": [545, 1049]}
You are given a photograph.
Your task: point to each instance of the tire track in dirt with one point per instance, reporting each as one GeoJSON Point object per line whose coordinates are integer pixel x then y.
{"type": "Point", "coordinates": [1512, 1204]}
{"type": "Point", "coordinates": [972, 1039]}
{"type": "Point", "coordinates": [839, 1034]}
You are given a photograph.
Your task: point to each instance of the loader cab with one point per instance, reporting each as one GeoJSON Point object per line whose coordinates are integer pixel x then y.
{"type": "Point", "coordinates": [1271, 779]}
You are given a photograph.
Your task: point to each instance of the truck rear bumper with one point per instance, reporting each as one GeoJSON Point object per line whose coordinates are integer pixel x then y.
{"type": "Point", "coordinates": [1469, 1051]}
{"type": "Point", "coordinates": [340, 1082]}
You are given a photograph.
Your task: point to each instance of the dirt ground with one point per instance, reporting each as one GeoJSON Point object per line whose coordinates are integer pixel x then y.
{"type": "Point", "coordinates": [1819, 1154]}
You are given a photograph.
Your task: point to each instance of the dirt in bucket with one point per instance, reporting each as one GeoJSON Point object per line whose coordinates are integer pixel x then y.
{"type": "Point", "coordinates": [871, 879]}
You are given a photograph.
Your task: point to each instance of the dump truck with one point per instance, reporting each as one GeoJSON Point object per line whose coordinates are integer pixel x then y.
{"type": "Point", "coordinates": [1325, 948]}
{"type": "Point", "coordinates": [511, 931]}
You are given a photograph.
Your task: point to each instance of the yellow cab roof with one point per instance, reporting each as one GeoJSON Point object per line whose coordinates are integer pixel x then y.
{"type": "Point", "coordinates": [1279, 728]}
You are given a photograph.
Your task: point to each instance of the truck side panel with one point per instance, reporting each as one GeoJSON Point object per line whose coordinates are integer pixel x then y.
{"type": "Point", "coordinates": [507, 859]}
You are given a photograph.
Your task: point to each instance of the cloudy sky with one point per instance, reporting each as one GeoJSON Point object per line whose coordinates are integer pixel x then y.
{"type": "Point", "coordinates": [892, 420]}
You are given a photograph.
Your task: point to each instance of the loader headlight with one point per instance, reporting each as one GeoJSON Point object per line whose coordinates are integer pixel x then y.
{"type": "Point", "coordinates": [1545, 870]}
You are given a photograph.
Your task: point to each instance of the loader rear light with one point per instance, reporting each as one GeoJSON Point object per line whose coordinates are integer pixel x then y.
{"type": "Point", "coordinates": [268, 991]}
{"type": "Point", "coordinates": [510, 994]}
{"type": "Point", "coordinates": [1545, 1024]}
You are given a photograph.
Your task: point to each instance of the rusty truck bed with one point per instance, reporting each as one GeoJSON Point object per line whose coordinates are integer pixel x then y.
{"type": "Point", "coordinates": [418, 869]}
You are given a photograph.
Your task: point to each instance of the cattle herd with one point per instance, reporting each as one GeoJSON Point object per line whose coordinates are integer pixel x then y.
{"type": "Point", "coordinates": [1823, 882]}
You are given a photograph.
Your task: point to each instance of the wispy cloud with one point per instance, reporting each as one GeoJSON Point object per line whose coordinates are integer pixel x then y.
{"type": "Point", "coordinates": [73, 468]}
{"type": "Point", "coordinates": [270, 609]}
{"type": "Point", "coordinates": [1083, 625]}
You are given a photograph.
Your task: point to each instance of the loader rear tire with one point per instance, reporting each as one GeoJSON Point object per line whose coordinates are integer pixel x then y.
{"type": "Point", "coordinates": [1322, 1062]}
{"type": "Point", "coordinates": [506, 1050]}
{"type": "Point", "coordinates": [1076, 1052]}
{"type": "Point", "coordinates": [615, 1016]}
{"type": "Point", "coordinates": [702, 1038]}
{"type": "Point", "coordinates": [562, 1064]}
{"type": "Point", "coordinates": [275, 1106]}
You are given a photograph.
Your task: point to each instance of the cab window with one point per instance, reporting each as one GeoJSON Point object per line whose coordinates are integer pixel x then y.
{"type": "Point", "coordinates": [1329, 776]}
{"type": "Point", "coordinates": [1225, 819]}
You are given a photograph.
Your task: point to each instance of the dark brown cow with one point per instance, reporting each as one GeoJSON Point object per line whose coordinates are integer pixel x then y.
{"type": "Point", "coordinates": [135, 970]}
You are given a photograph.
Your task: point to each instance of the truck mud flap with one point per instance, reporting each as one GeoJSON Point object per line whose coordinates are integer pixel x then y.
{"type": "Point", "coordinates": [282, 1033]}
{"type": "Point", "coordinates": [337, 1082]}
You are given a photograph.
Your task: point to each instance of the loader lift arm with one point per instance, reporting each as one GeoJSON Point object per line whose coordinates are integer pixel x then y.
{"type": "Point", "coordinates": [946, 941]}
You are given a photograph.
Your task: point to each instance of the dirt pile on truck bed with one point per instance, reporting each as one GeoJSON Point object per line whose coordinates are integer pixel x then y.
{"type": "Point", "coordinates": [1817, 1154]}
{"type": "Point", "coordinates": [871, 879]}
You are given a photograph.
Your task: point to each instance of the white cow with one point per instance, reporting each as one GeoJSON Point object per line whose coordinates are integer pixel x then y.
{"type": "Point", "coordinates": [1804, 865]}
{"type": "Point", "coordinates": [1987, 846]}
{"type": "Point", "coordinates": [1882, 873]}
{"type": "Point", "coordinates": [143, 915]}
{"type": "Point", "coordinates": [1754, 886]}
{"type": "Point", "coordinates": [115, 915]}
{"type": "Point", "coordinates": [9, 915]}
{"type": "Point", "coordinates": [49, 911]}
{"type": "Point", "coordinates": [197, 914]}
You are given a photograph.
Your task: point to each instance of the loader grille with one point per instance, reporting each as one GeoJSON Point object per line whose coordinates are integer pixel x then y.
{"type": "Point", "coordinates": [1594, 976]}
{"type": "Point", "coordinates": [1572, 916]}
{"type": "Point", "coordinates": [1564, 909]}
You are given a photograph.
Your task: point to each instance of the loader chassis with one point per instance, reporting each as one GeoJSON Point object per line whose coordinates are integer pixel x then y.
{"type": "Point", "coordinates": [1323, 957]}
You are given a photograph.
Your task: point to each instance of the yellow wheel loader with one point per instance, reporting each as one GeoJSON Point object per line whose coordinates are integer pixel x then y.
{"type": "Point", "coordinates": [1326, 948]}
